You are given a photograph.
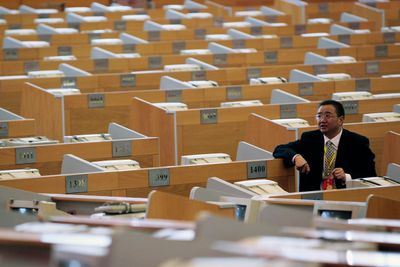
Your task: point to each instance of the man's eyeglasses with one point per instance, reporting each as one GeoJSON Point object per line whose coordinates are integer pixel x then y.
{"type": "Point", "coordinates": [325, 116]}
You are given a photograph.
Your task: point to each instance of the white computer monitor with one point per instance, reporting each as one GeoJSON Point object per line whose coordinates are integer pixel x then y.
{"type": "Point", "coordinates": [339, 210]}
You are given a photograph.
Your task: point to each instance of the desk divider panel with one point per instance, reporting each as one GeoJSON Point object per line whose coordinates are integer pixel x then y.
{"type": "Point", "coordinates": [17, 128]}
{"type": "Point", "coordinates": [356, 195]}
{"type": "Point", "coordinates": [46, 109]}
{"type": "Point", "coordinates": [370, 13]}
{"type": "Point", "coordinates": [391, 148]}
{"type": "Point", "coordinates": [48, 158]}
{"type": "Point", "coordinates": [136, 182]}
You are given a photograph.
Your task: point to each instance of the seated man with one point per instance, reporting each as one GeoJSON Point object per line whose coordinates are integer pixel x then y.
{"type": "Point", "coordinates": [327, 157]}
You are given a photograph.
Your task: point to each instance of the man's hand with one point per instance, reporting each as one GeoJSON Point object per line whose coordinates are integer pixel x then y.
{"type": "Point", "coordinates": [301, 164]}
{"type": "Point", "coordinates": [339, 174]}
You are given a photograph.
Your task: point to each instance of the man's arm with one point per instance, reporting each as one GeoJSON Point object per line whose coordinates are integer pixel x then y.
{"type": "Point", "coordinates": [287, 152]}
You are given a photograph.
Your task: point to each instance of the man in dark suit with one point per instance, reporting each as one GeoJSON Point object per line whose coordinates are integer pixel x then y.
{"type": "Point", "coordinates": [327, 157]}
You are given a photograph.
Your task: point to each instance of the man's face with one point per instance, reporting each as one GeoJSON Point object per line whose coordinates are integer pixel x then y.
{"type": "Point", "coordinates": [328, 121]}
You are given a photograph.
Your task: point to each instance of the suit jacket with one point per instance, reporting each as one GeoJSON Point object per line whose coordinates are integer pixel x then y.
{"type": "Point", "coordinates": [353, 155]}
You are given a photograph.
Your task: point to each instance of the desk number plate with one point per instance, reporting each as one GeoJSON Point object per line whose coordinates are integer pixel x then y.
{"type": "Point", "coordinates": [96, 100]}
{"type": "Point", "coordinates": [24, 155]}
{"type": "Point", "coordinates": [257, 169]}
{"type": "Point", "coordinates": [128, 80]}
{"type": "Point", "coordinates": [174, 95]}
{"type": "Point", "coordinates": [121, 148]}
{"type": "Point", "coordinates": [350, 107]}
{"type": "Point", "coordinates": [234, 92]}
{"type": "Point", "coordinates": [68, 82]}
{"type": "Point", "coordinates": [76, 184]}
{"type": "Point", "coordinates": [158, 177]}
{"type": "Point", "coordinates": [208, 116]}
{"type": "Point", "coordinates": [288, 111]}
{"type": "Point", "coordinates": [3, 129]}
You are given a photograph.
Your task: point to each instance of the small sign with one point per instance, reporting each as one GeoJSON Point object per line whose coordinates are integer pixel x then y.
{"type": "Point", "coordinates": [174, 95]}
{"type": "Point", "coordinates": [3, 129]}
{"type": "Point", "coordinates": [256, 30]}
{"type": "Point", "coordinates": [344, 38]}
{"type": "Point", "coordinates": [313, 196]}
{"type": "Point", "coordinates": [381, 51]}
{"type": "Point", "coordinates": [372, 67]}
{"type": "Point", "coordinates": [350, 107]}
{"type": "Point", "coordinates": [155, 62]}
{"type": "Point", "coordinates": [128, 80]}
{"type": "Point", "coordinates": [354, 25]}
{"type": "Point", "coordinates": [121, 148]}
{"type": "Point", "coordinates": [288, 111]}
{"type": "Point", "coordinates": [175, 21]}
{"type": "Point", "coordinates": [15, 26]}
{"type": "Point", "coordinates": [93, 35]}
{"type": "Point", "coordinates": [24, 155]}
{"type": "Point", "coordinates": [270, 19]}
{"type": "Point", "coordinates": [178, 46]}
{"type": "Point", "coordinates": [10, 53]}
{"type": "Point", "coordinates": [233, 92]}
{"type": "Point", "coordinates": [101, 65]}
{"type": "Point", "coordinates": [64, 50]}
{"type": "Point", "coordinates": [320, 69]}
{"type": "Point", "coordinates": [31, 66]}
{"type": "Point", "coordinates": [199, 34]}
{"type": "Point", "coordinates": [74, 25]}
{"type": "Point", "coordinates": [120, 25]}
{"type": "Point", "coordinates": [257, 169]}
{"type": "Point", "coordinates": [363, 85]}
{"type": "Point", "coordinates": [218, 21]}
{"type": "Point", "coordinates": [286, 42]}
{"type": "Point", "coordinates": [96, 100]}
{"type": "Point", "coordinates": [208, 116]}
{"type": "Point", "coordinates": [158, 177]}
{"type": "Point", "coordinates": [153, 36]}
{"type": "Point", "coordinates": [306, 89]}
{"type": "Point", "coordinates": [220, 59]}
{"type": "Point", "coordinates": [76, 183]}
{"type": "Point", "coordinates": [389, 37]}
{"type": "Point", "coordinates": [323, 7]}
{"type": "Point", "coordinates": [300, 29]}
{"type": "Point", "coordinates": [68, 82]}
{"type": "Point", "coordinates": [253, 73]}
{"type": "Point", "coordinates": [199, 75]}
{"type": "Point", "coordinates": [332, 52]}
{"type": "Point", "coordinates": [270, 56]}
{"type": "Point", "coordinates": [238, 43]}
{"type": "Point", "coordinates": [45, 37]}
{"type": "Point", "coordinates": [129, 48]}
{"type": "Point", "coordinates": [43, 15]}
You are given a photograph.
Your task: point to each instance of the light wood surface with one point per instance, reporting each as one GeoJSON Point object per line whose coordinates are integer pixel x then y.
{"type": "Point", "coordinates": [391, 148]}
{"type": "Point", "coordinates": [381, 207]}
{"type": "Point", "coordinates": [163, 205]}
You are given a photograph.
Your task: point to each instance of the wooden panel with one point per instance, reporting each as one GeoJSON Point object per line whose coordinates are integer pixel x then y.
{"type": "Point", "coordinates": [357, 194]}
{"type": "Point", "coordinates": [391, 148]}
{"type": "Point", "coordinates": [20, 128]}
{"type": "Point", "coordinates": [370, 13]}
{"type": "Point", "coordinates": [169, 206]}
{"type": "Point", "coordinates": [152, 121]}
{"type": "Point", "coordinates": [45, 108]}
{"type": "Point", "coordinates": [382, 208]}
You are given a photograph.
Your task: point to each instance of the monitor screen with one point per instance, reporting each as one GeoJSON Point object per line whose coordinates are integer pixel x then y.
{"type": "Point", "coordinates": [240, 212]}
{"type": "Point", "coordinates": [335, 214]}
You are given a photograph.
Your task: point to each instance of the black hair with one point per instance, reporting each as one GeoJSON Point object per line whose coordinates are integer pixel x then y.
{"type": "Point", "coordinates": [338, 106]}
